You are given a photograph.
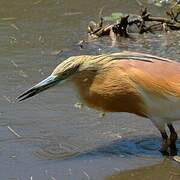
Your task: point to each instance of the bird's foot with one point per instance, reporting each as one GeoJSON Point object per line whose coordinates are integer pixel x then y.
{"type": "Point", "coordinates": [164, 152]}
{"type": "Point", "coordinates": [173, 138]}
{"type": "Point", "coordinates": [168, 147]}
{"type": "Point", "coordinates": [172, 144]}
{"type": "Point", "coordinates": [164, 148]}
{"type": "Point", "coordinates": [172, 150]}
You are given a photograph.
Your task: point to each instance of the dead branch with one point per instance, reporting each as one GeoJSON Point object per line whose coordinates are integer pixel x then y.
{"type": "Point", "coordinates": [144, 22]}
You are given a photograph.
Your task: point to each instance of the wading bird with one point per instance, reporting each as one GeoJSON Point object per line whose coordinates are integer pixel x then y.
{"type": "Point", "coordinates": [138, 83]}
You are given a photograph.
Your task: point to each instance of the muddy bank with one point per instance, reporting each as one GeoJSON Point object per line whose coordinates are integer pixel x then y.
{"type": "Point", "coordinates": [165, 170]}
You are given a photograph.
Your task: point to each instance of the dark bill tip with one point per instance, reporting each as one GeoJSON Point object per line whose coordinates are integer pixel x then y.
{"type": "Point", "coordinates": [43, 85]}
{"type": "Point", "coordinates": [31, 92]}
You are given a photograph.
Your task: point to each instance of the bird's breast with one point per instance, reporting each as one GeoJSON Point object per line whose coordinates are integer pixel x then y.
{"type": "Point", "coordinates": [110, 92]}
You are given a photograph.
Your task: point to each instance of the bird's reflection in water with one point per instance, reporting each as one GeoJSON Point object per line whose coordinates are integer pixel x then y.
{"type": "Point", "coordinates": [147, 147]}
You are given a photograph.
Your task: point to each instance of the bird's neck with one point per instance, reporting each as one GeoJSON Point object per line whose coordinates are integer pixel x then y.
{"type": "Point", "coordinates": [83, 81]}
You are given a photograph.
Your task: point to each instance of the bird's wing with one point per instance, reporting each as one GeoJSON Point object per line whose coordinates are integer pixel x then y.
{"type": "Point", "coordinates": [159, 78]}
{"type": "Point", "coordinates": [138, 56]}
{"type": "Point", "coordinates": [159, 86]}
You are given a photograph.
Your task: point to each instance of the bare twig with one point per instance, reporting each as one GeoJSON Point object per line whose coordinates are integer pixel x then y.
{"type": "Point", "coordinates": [53, 178]}
{"type": "Point", "coordinates": [86, 174]}
{"type": "Point", "coordinates": [14, 132]}
{"type": "Point", "coordinates": [101, 12]}
{"type": "Point", "coordinates": [139, 3]}
{"type": "Point", "coordinates": [145, 23]}
{"type": "Point", "coordinates": [14, 26]}
{"type": "Point", "coordinates": [13, 62]}
{"type": "Point", "coordinates": [7, 99]}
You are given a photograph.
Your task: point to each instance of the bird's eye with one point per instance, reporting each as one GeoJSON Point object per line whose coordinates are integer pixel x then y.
{"type": "Point", "coordinates": [65, 73]}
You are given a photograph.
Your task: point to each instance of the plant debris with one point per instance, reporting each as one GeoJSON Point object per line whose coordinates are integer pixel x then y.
{"type": "Point", "coordinates": [14, 132]}
{"type": "Point", "coordinates": [144, 23]}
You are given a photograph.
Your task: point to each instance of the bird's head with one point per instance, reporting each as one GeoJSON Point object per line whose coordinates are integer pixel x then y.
{"type": "Point", "coordinates": [74, 65]}
{"type": "Point", "coordinates": [63, 71]}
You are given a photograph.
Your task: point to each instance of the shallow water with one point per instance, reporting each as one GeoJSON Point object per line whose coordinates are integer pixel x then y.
{"type": "Point", "coordinates": [49, 136]}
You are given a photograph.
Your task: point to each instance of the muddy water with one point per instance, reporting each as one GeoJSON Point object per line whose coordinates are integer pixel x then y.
{"type": "Point", "coordinates": [50, 136]}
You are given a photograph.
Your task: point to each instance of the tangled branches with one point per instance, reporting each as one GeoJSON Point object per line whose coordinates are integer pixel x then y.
{"type": "Point", "coordinates": [144, 23]}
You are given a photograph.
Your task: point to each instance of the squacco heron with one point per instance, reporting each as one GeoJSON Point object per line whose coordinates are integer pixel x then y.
{"type": "Point", "coordinates": [138, 83]}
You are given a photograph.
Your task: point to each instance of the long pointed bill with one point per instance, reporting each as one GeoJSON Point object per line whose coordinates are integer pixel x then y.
{"type": "Point", "coordinates": [43, 85]}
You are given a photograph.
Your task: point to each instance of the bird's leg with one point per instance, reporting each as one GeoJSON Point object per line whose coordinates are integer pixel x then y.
{"type": "Point", "coordinates": [165, 144]}
{"type": "Point", "coordinates": [172, 140]}
{"type": "Point", "coordinates": [159, 123]}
